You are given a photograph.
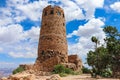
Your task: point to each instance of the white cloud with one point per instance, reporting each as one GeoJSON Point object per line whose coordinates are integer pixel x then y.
{"type": "Point", "coordinates": [74, 9]}
{"type": "Point", "coordinates": [32, 34]}
{"type": "Point", "coordinates": [1, 49]}
{"type": "Point", "coordinates": [6, 64]}
{"type": "Point", "coordinates": [92, 28]}
{"type": "Point", "coordinates": [116, 6]}
{"type": "Point", "coordinates": [19, 43]}
{"type": "Point", "coordinates": [89, 6]}
{"type": "Point", "coordinates": [22, 54]}
{"type": "Point", "coordinates": [11, 33]}
{"type": "Point", "coordinates": [23, 9]}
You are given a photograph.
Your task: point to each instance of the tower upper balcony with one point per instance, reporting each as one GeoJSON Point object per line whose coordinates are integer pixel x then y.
{"type": "Point", "coordinates": [53, 10]}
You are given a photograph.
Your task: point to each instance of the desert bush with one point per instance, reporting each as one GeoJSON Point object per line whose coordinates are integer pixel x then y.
{"type": "Point", "coordinates": [59, 69]}
{"type": "Point", "coordinates": [19, 69]}
{"type": "Point", "coordinates": [63, 74]}
{"type": "Point", "coordinates": [106, 73]}
{"type": "Point", "coordinates": [85, 70]}
{"type": "Point", "coordinates": [62, 70]}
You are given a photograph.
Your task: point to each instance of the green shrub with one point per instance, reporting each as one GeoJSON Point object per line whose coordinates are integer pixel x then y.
{"type": "Point", "coordinates": [76, 72]}
{"type": "Point", "coordinates": [85, 70]}
{"type": "Point", "coordinates": [19, 69]}
{"type": "Point", "coordinates": [68, 71]}
{"type": "Point", "coordinates": [106, 73]}
{"type": "Point", "coordinates": [59, 69]}
{"type": "Point", "coordinates": [62, 70]}
{"type": "Point", "coordinates": [63, 74]}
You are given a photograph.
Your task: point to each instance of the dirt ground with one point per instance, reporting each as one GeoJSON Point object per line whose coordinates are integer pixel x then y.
{"type": "Point", "coordinates": [84, 77]}
{"type": "Point", "coordinates": [76, 77]}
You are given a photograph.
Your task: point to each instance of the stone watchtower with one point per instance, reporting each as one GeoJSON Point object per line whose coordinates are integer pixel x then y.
{"type": "Point", "coordinates": [52, 48]}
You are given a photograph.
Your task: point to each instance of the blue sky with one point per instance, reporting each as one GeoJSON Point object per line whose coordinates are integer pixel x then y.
{"type": "Point", "coordinates": [20, 22]}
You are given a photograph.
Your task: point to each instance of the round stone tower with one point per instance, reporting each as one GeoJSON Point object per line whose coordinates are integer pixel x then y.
{"type": "Point", "coordinates": [52, 41]}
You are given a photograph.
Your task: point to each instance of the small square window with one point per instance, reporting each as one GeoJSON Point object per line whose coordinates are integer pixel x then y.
{"type": "Point", "coordinates": [58, 13]}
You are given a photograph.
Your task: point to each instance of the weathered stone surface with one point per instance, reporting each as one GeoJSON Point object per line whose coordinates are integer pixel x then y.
{"type": "Point", "coordinates": [52, 47]}
{"type": "Point", "coordinates": [4, 78]}
{"type": "Point", "coordinates": [27, 66]}
{"type": "Point", "coordinates": [24, 76]}
{"type": "Point", "coordinates": [76, 60]}
{"type": "Point", "coordinates": [70, 65]}
{"type": "Point", "coordinates": [54, 77]}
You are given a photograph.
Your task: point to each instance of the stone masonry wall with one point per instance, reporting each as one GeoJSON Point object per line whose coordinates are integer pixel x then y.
{"type": "Point", "coordinates": [76, 60]}
{"type": "Point", "coordinates": [52, 41]}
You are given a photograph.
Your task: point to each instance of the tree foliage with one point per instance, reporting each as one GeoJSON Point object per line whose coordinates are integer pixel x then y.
{"type": "Point", "coordinates": [106, 59]}
{"type": "Point", "coordinates": [113, 46]}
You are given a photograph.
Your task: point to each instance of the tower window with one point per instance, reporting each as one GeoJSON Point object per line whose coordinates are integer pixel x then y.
{"type": "Point", "coordinates": [45, 24]}
{"type": "Point", "coordinates": [58, 13]}
{"type": "Point", "coordinates": [51, 12]}
{"type": "Point", "coordinates": [63, 24]}
{"type": "Point", "coordinates": [45, 13]}
{"type": "Point", "coordinates": [42, 52]}
{"type": "Point", "coordinates": [63, 15]}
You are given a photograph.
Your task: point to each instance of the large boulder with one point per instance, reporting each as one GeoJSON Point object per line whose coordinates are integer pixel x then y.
{"type": "Point", "coordinates": [69, 65]}
{"type": "Point", "coordinates": [75, 60]}
{"type": "Point", "coordinates": [22, 77]}
{"type": "Point", "coordinates": [54, 77]}
{"type": "Point", "coordinates": [4, 78]}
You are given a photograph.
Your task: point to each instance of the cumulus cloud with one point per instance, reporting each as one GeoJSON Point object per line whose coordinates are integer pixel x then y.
{"type": "Point", "coordinates": [89, 6]}
{"type": "Point", "coordinates": [115, 6]}
{"type": "Point", "coordinates": [32, 34]}
{"type": "Point", "coordinates": [6, 64]}
{"type": "Point", "coordinates": [19, 43]}
{"type": "Point", "coordinates": [11, 33]}
{"type": "Point", "coordinates": [80, 9]}
{"type": "Point", "coordinates": [23, 54]}
{"type": "Point", "coordinates": [92, 28]}
{"type": "Point", "coordinates": [72, 10]}
{"type": "Point", "coordinates": [1, 49]}
{"type": "Point", "coordinates": [24, 9]}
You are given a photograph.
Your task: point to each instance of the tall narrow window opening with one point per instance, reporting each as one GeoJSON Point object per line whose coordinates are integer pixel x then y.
{"type": "Point", "coordinates": [63, 15]}
{"type": "Point", "coordinates": [45, 13]}
{"type": "Point", "coordinates": [51, 12]}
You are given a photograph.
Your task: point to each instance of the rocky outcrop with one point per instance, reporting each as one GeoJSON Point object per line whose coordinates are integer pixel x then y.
{"type": "Point", "coordinates": [54, 77]}
{"type": "Point", "coordinates": [75, 60]}
{"type": "Point", "coordinates": [4, 78]}
{"type": "Point", "coordinates": [20, 76]}
{"type": "Point", "coordinates": [33, 75]}
{"type": "Point", "coordinates": [70, 65]}
{"type": "Point", "coordinates": [27, 66]}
